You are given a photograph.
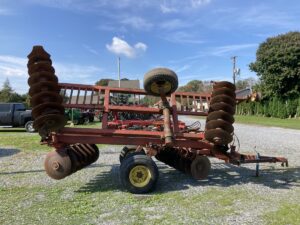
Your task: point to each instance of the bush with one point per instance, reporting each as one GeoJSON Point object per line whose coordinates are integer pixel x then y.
{"type": "Point", "coordinates": [274, 107]}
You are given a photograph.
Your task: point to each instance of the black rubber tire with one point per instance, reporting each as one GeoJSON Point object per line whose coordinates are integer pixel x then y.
{"type": "Point", "coordinates": [129, 151]}
{"type": "Point", "coordinates": [163, 77]}
{"type": "Point", "coordinates": [130, 163]}
{"type": "Point", "coordinates": [200, 167]}
{"type": "Point", "coordinates": [29, 127]}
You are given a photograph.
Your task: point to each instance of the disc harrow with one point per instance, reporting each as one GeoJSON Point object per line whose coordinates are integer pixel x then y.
{"type": "Point", "coordinates": [46, 101]}
{"type": "Point", "coordinates": [62, 162]}
{"type": "Point", "coordinates": [219, 128]}
{"type": "Point", "coordinates": [185, 148]}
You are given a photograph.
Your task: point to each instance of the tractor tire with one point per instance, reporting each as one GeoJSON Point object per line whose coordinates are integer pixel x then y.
{"type": "Point", "coordinates": [160, 78]}
{"type": "Point", "coordinates": [138, 174]}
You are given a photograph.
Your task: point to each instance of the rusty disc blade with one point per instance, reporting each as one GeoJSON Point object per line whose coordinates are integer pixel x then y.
{"type": "Point", "coordinates": [75, 162]}
{"type": "Point", "coordinates": [34, 60]}
{"type": "Point", "coordinates": [81, 156]}
{"type": "Point", "coordinates": [80, 160]}
{"type": "Point", "coordinates": [220, 115]}
{"type": "Point", "coordinates": [40, 66]}
{"type": "Point", "coordinates": [222, 106]}
{"type": "Point", "coordinates": [218, 136]}
{"type": "Point", "coordinates": [50, 122]}
{"type": "Point", "coordinates": [41, 76]}
{"type": "Point", "coordinates": [223, 98]}
{"type": "Point", "coordinates": [58, 164]}
{"type": "Point", "coordinates": [43, 86]}
{"type": "Point", "coordinates": [46, 97]}
{"type": "Point", "coordinates": [47, 108]}
{"type": "Point", "coordinates": [215, 124]}
{"type": "Point", "coordinates": [38, 51]}
{"type": "Point", "coordinates": [200, 167]}
{"type": "Point", "coordinates": [93, 154]}
{"type": "Point", "coordinates": [223, 84]}
{"type": "Point", "coordinates": [223, 91]}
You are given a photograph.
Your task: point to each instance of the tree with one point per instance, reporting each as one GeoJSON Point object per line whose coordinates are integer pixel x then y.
{"type": "Point", "coordinates": [245, 83]}
{"type": "Point", "coordinates": [6, 92]}
{"type": "Point", "coordinates": [278, 66]}
{"type": "Point", "coordinates": [103, 82]}
{"type": "Point", "coordinates": [8, 95]}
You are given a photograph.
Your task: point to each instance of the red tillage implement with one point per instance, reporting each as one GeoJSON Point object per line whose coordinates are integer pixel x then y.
{"type": "Point", "coordinates": [185, 148]}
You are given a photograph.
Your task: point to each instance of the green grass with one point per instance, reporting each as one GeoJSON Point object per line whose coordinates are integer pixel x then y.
{"type": "Point", "coordinates": [268, 121]}
{"type": "Point", "coordinates": [18, 138]}
{"type": "Point", "coordinates": [67, 205]}
{"type": "Point", "coordinates": [263, 121]}
{"type": "Point", "coordinates": [286, 214]}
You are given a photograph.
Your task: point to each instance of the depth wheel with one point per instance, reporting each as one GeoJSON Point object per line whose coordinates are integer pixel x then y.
{"type": "Point", "coordinates": [138, 174]}
{"type": "Point", "coordinates": [160, 78]}
{"type": "Point", "coordinates": [200, 167]}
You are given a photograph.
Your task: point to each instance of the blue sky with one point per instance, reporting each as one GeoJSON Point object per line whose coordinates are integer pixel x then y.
{"type": "Point", "coordinates": [195, 38]}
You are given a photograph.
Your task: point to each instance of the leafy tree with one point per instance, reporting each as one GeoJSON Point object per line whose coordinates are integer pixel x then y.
{"type": "Point", "coordinates": [6, 92]}
{"type": "Point", "coordinates": [278, 65]}
{"type": "Point", "coordinates": [245, 83]}
{"type": "Point", "coordinates": [103, 82]}
{"type": "Point", "coordinates": [196, 86]}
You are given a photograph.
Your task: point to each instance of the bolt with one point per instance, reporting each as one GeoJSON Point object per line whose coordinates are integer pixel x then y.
{"type": "Point", "coordinates": [55, 165]}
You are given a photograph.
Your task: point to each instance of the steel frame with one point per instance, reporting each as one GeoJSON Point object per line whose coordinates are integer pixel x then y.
{"type": "Point", "coordinates": [99, 99]}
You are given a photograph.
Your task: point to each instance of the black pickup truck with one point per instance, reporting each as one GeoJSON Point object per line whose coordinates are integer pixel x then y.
{"type": "Point", "coordinates": [16, 115]}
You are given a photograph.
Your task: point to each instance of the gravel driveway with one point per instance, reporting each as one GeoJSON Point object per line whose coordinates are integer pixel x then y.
{"type": "Point", "coordinates": [276, 184]}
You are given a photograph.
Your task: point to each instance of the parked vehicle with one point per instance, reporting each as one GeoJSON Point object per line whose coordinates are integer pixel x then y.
{"type": "Point", "coordinates": [79, 117]}
{"type": "Point", "coordinates": [16, 115]}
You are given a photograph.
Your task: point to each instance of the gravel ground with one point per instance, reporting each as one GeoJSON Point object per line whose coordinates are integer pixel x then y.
{"type": "Point", "coordinates": [20, 169]}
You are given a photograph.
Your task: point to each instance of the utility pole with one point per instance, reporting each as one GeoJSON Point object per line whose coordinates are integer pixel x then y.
{"type": "Point", "coordinates": [119, 59]}
{"type": "Point", "coordinates": [235, 71]}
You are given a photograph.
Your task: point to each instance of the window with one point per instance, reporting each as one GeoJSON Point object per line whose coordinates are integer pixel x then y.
{"type": "Point", "coordinates": [19, 107]}
{"type": "Point", "coordinates": [4, 107]}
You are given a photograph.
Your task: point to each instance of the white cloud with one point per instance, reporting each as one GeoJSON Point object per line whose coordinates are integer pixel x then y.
{"type": "Point", "coordinates": [121, 47]}
{"type": "Point", "coordinates": [15, 69]}
{"type": "Point", "coordinates": [141, 46]}
{"type": "Point", "coordinates": [222, 50]}
{"type": "Point", "coordinates": [183, 37]}
{"type": "Point", "coordinates": [90, 49]}
{"type": "Point", "coordinates": [167, 9]}
{"type": "Point", "coordinates": [172, 6]}
{"type": "Point", "coordinates": [199, 3]}
{"type": "Point", "coordinates": [5, 12]}
{"type": "Point", "coordinates": [137, 23]}
{"type": "Point", "coordinates": [175, 24]}
{"type": "Point", "coordinates": [183, 68]}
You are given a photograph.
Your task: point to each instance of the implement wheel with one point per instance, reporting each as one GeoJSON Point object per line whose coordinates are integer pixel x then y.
{"type": "Point", "coordinates": [138, 174]}
{"type": "Point", "coordinates": [200, 167]}
{"type": "Point", "coordinates": [160, 78]}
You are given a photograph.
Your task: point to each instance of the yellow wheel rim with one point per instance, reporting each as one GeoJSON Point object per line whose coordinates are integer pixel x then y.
{"type": "Point", "coordinates": [140, 176]}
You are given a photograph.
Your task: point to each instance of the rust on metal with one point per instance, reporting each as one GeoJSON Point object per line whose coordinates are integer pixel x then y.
{"type": "Point", "coordinates": [171, 141]}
